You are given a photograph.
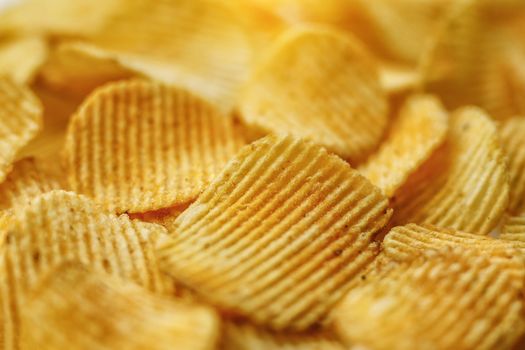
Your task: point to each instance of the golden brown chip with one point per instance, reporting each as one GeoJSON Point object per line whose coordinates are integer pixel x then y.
{"type": "Point", "coordinates": [243, 336]}
{"type": "Point", "coordinates": [514, 230]}
{"type": "Point", "coordinates": [58, 17]}
{"type": "Point", "coordinates": [473, 60]}
{"type": "Point", "coordinates": [406, 243]}
{"type": "Point", "coordinates": [200, 45]}
{"type": "Point", "coordinates": [137, 146]}
{"type": "Point", "coordinates": [27, 180]}
{"type": "Point", "coordinates": [20, 121]}
{"type": "Point", "coordinates": [397, 30]}
{"type": "Point", "coordinates": [21, 57]}
{"type": "Point", "coordinates": [332, 99]}
{"type": "Point", "coordinates": [420, 128]}
{"type": "Point", "coordinates": [454, 300]}
{"type": "Point", "coordinates": [279, 235]}
{"type": "Point", "coordinates": [49, 143]}
{"type": "Point", "coordinates": [512, 133]}
{"type": "Point", "coordinates": [75, 69]}
{"type": "Point", "coordinates": [60, 226]}
{"type": "Point", "coordinates": [464, 185]}
{"type": "Point", "coordinates": [74, 308]}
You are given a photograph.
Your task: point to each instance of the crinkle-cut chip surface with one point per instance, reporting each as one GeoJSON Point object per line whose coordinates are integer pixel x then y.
{"type": "Point", "coordinates": [406, 243]}
{"type": "Point", "coordinates": [137, 146]}
{"type": "Point", "coordinates": [164, 217]}
{"type": "Point", "coordinates": [244, 336]}
{"type": "Point", "coordinates": [20, 121]}
{"type": "Point", "coordinates": [21, 57]}
{"type": "Point", "coordinates": [28, 179]}
{"type": "Point", "coordinates": [200, 45]}
{"type": "Point", "coordinates": [420, 128]}
{"type": "Point", "coordinates": [443, 301]}
{"type": "Point", "coordinates": [464, 185]}
{"type": "Point", "coordinates": [60, 226]}
{"type": "Point", "coordinates": [74, 308]}
{"type": "Point", "coordinates": [58, 17]}
{"type": "Point", "coordinates": [279, 235]}
{"type": "Point", "coordinates": [332, 99]}
{"type": "Point", "coordinates": [513, 230]}
{"type": "Point", "coordinates": [512, 135]}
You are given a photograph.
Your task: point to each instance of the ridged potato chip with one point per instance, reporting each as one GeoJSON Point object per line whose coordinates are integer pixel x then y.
{"type": "Point", "coordinates": [62, 226]}
{"type": "Point", "coordinates": [421, 127]}
{"type": "Point", "coordinates": [243, 336]}
{"type": "Point", "coordinates": [200, 45]}
{"type": "Point", "coordinates": [513, 230]}
{"type": "Point", "coordinates": [406, 243]}
{"type": "Point", "coordinates": [454, 300]}
{"type": "Point", "coordinates": [21, 57]}
{"type": "Point", "coordinates": [20, 121]}
{"type": "Point", "coordinates": [136, 146]}
{"type": "Point", "coordinates": [332, 99]}
{"type": "Point", "coordinates": [27, 180]}
{"type": "Point", "coordinates": [512, 134]}
{"type": "Point", "coordinates": [74, 308]}
{"type": "Point", "coordinates": [279, 235]}
{"type": "Point", "coordinates": [464, 185]}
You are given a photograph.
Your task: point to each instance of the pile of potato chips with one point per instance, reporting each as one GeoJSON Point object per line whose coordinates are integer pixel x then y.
{"type": "Point", "coordinates": [262, 174]}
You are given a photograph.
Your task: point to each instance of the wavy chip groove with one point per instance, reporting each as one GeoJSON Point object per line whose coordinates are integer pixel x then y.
{"type": "Point", "coordinates": [74, 308]}
{"type": "Point", "coordinates": [62, 226]}
{"type": "Point", "coordinates": [464, 184]}
{"type": "Point", "coordinates": [20, 121]}
{"type": "Point", "coordinates": [138, 146]}
{"type": "Point", "coordinates": [279, 235]}
{"type": "Point", "coordinates": [420, 129]}
{"type": "Point", "coordinates": [454, 300]}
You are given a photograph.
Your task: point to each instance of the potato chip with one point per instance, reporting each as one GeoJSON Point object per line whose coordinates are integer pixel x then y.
{"type": "Point", "coordinates": [27, 180]}
{"type": "Point", "coordinates": [512, 134]}
{"type": "Point", "coordinates": [454, 300]}
{"type": "Point", "coordinates": [58, 17]}
{"type": "Point", "coordinates": [243, 336]}
{"type": "Point", "coordinates": [406, 243]}
{"type": "Point", "coordinates": [74, 308]}
{"type": "Point", "coordinates": [75, 69]}
{"type": "Point", "coordinates": [420, 129]}
{"type": "Point", "coordinates": [464, 185]}
{"type": "Point", "coordinates": [21, 57]}
{"type": "Point", "coordinates": [199, 45]}
{"type": "Point", "coordinates": [137, 146]}
{"type": "Point", "coordinates": [514, 230]}
{"type": "Point", "coordinates": [20, 121]}
{"type": "Point", "coordinates": [60, 226]}
{"type": "Point", "coordinates": [334, 100]}
{"type": "Point", "coordinates": [279, 235]}
{"type": "Point", "coordinates": [396, 30]}
{"type": "Point", "coordinates": [469, 61]}
{"type": "Point", "coordinates": [49, 143]}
